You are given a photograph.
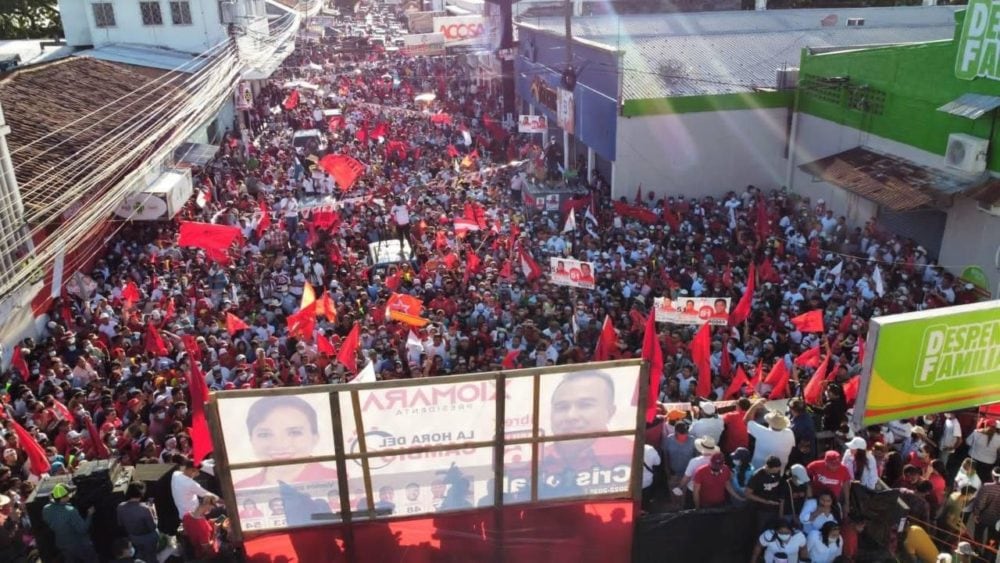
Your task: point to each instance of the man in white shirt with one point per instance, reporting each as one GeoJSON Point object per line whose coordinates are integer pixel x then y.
{"type": "Point", "coordinates": [185, 489]}
{"type": "Point", "coordinates": [708, 423]}
{"type": "Point", "coordinates": [401, 216]}
{"type": "Point", "coordinates": [776, 439]}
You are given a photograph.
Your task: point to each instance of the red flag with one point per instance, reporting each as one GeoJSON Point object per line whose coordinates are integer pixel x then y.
{"type": "Point", "coordinates": [529, 267]}
{"type": "Point", "coordinates": [472, 263]}
{"type": "Point", "coordinates": [335, 122]}
{"type": "Point", "coordinates": [758, 374]}
{"type": "Point", "coordinates": [344, 169]}
{"type": "Point", "coordinates": [98, 445]}
{"type": "Point", "coordinates": [361, 134]}
{"type": "Point", "coordinates": [778, 379]}
{"type": "Point", "coordinates": [726, 364]}
{"type": "Point", "coordinates": [324, 346]}
{"type": "Point", "coordinates": [171, 311]}
{"type": "Point", "coordinates": [441, 119]}
{"type": "Point", "coordinates": [767, 272]}
{"type": "Point", "coordinates": [154, 342]}
{"type": "Point", "coordinates": [452, 151]}
{"type": "Point", "coordinates": [510, 359]}
{"type": "Point", "coordinates": [17, 362]}
{"type": "Point", "coordinates": [130, 294]}
{"type": "Point", "coordinates": [291, 101]}
{"type": "Point", "coordinates": [235, 324]}
{"type": "Point", "coordinates": [652, 353]}
{"type": "Point", "coordinates": [380, 130]}
{"type": "Point", "coordinates": [36, 455]}
{"type": "Point", "coordinates": [670, 218]}
{"type": "Point", "coordinates": [851, 389]}
{"type": "Point", "coordinates": [701, 353]}
{"type": "Point", "coordinates": [393, 282]}
{"type": "Point", "coordinates": [845, 323]}
{"type": "Point", "coordinates": [809, 322]}
{"type": "Point", "coordinates": [809, 358]}
{"type": "Point", "coordinates": [265, 220]}
{"type": "Point", "coordinates": [302, 323]}
{"type": "Point", "coordinates": [739, 380]}
{"type": "Point", "coordinates": [742, 310]}
{"type": "Point", "coordinates": [63, 411]}
{"type": "Point", "coordinates": [727, 276]}
{"type": "Point", "coordinates": [607, 343]}
{"type": "Point", "coordinates": [201, 438]}
{"type": "Point", "coordinates": [191, 346]}
{"type": "Point", "coordinates": [813, 393]}
{"type": "Point", "coordinates": [207, 236]}
{"type": "Point", "coordinates": [325, 307]}
{"type": "Point", "coordinates": [349, 349]}
{"type": "Point", "coordinates": [506, 271]}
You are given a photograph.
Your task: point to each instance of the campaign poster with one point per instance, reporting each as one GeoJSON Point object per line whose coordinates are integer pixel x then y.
{"type": "Point", "coordinates": [692, 310]}
{"type": "Point", "coordinates": [532, 124]}
{"type": "Point", "coordinates": [572, 273]}
{"type": "Point", "coordinates": [278, 427]}
{"type": "Point", "coordinates": [579, 403]}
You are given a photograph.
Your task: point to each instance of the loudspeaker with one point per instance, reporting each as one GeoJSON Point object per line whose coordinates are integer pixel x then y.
{"type": "Point", "coordinates": [156, 477]}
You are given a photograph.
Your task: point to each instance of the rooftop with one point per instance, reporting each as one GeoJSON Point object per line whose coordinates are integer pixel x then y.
{"type": "Point", "coordinates": [31, 51]}
{"type": "Point", "coordinates": [59, 110]}
{"type": "Point", "coordinates": [147, 56]}
{"type": "Point", "coordinates": [699, 53]}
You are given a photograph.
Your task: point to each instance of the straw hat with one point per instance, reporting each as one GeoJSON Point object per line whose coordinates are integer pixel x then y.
{"type": "Point", "coordinates": [776, 420]}
{"type": "Point", "coordinates": [706, 445]}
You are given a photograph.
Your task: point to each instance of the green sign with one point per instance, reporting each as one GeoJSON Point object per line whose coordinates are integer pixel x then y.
{"type": "Point", "coordinates": [929, 362]}
{"type": "Point", "coordinates": [979, 45]}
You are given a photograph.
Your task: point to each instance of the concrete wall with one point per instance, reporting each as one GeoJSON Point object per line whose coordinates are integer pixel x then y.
{"type": "Point", "coordinates": [707, 153]}
{"type": "Point", "coordinates": [205, 30]}
{"type": "Point", "coordinates": [972, 237]}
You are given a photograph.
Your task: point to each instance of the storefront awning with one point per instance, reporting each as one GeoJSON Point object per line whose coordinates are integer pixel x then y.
{"type": "Point", "coordinates": [971, 106]}
{"type": "Point", "coordinates": [194, 154]}
{"type": "Point", "coordinates": [895, 183]}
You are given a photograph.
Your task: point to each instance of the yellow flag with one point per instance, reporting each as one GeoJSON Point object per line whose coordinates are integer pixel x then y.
{"type": "Point", "coordinates": [308, 296]}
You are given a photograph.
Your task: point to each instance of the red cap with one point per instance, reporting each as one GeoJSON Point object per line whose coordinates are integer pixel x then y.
{"type": "Point", "coordinates": [133, 402]}
{"type": "Point", "coordinates": [831, 456]}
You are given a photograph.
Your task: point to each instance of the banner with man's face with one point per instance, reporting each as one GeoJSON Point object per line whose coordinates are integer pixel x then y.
{"type": "Point", "coordinates": [572, 273]}
{"type": "Point", "coordinates": [430, 447]}
{"type": "Point", "coordinates": [692, 310]}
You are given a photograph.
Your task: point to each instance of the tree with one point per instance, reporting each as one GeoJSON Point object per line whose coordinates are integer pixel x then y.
{"type": "Point", "coordinates": [29, 19]}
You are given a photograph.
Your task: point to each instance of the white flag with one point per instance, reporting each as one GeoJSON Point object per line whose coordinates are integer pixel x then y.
{"type": "Point", "coordinates": [413, 341]}
{"type": "Point", "coordinates": [590, 216]}
{"type": "Point", "coordinates": [576, 327]}
{"type": "Point", "coordinates": [838, 268]}
{"type": "Point", "coordinates": [367, 375]}
{"type": "Point", "coordinates": [879, 284]}
{"type": "Point", "coordinates": [467, 138]}
{"type": "Point", "coordinates": [570, 221]}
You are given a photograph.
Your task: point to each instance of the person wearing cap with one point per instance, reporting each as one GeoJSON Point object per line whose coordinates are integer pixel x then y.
{"type": "Point", "coordinates": [775, 439]}
{"type": "Point", "coordinates": [71, 531]}
{"type": "Point", "coordinates": [861, 463]}
{"type": "Point", "coordinates": [708, 423]}
{"type": "Point", "coordinates": [829, 474]}
{"type": "Point", "coordinates": [712, 483]}
{"type": "Point", "coordinates": [766, 491]}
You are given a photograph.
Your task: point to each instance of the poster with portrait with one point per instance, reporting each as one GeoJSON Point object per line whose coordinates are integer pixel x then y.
{"type": "Point", "coordinates": [276, 427]}
{"type": "Point", "coordinates": [579, 403]}
{"type": "Point", "coordinates": [572, 273]}
{"type": "Point", "coordinates": [286, 496]}
{"type": "Point", "coordinates": [692, 310]}
{"type": "Point", "coordinates": [532, 124]}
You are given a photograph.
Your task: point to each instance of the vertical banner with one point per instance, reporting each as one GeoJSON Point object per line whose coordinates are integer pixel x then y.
{"type": "Point", "coordinates": [244, 96]}
{"type": "Point", "coordinates": [564, 112]}
{"type": "Point", "coordinates": [57, 273]}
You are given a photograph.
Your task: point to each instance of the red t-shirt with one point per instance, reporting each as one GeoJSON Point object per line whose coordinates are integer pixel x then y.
{"type": "Point", "coordinates": [201, 534]}
{"type": "Point", "coordinates": [735, 435]}
{"type": "Point", "coordinates": [826, 479]}
{"type": "Point", "coordinates": [713, 486]}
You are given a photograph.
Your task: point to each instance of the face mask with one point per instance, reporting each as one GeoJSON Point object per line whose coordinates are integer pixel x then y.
{"type": "Point", "coordinates": [737, 463]}
{"type": "Point", "coordinates": [928, 420]}
{"type": "Point", "coordinates": [131, 552]}
{"type": "Point", "coordinates": [784, 537]}
{"type": "Point", "coordinates": [72, 348]}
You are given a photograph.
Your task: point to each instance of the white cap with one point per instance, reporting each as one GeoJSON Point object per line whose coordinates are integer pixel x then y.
{"type": "Point", "coordinates": [707, 408]}
{"type": "Point", "coordinates": [857, 443]}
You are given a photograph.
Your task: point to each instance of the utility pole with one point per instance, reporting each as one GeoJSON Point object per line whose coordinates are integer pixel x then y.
{"type": "Point", "coordinates": [507, 60]}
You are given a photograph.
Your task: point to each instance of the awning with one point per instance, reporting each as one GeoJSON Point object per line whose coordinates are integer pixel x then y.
{"type": "Point", "coordinates": [971, 106]}
{"type": "Point", "coordinates": [194, 154]}
{"type": "Point", "coordinates": [895, 183]}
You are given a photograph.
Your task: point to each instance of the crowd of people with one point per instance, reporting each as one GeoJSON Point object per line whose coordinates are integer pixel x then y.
{"type": "Point", "coordinates": [92, 385]}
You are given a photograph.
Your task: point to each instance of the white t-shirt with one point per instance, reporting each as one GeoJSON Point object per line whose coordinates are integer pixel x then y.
{"type": "Point", "coordinates": [694, 465]}
{"type": "Point", "coordinates": [186, 491]}
{"type": "Point", "coordinates": [707, 427]}
{"type": "Point", "coordinates": [823, 553]}
{"type": "Point", "coordinates": [808, 524]}
{"type": "Point", "coordinates": [650, 458]}
{"type": "Point", "coordinates": [770, 442]}
{"type": "Point", "coordinates": [400, 214]}
{"type": "Point", "coordinates": [773, 545]}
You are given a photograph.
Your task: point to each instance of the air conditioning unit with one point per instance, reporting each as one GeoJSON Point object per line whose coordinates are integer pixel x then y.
{"type": "Point", "coordinates": [855, 22]}
{"type": "Point", "coordinates": [966, 153]}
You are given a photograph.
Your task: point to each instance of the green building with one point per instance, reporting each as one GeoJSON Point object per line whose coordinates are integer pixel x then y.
{"type": "Point", "coordinates": [908, 135]}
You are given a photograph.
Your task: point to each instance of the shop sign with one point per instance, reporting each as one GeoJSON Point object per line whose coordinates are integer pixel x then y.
{"type": "Point", "coordinates": [979, 44]}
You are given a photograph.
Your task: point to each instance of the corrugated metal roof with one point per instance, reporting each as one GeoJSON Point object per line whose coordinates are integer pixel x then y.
{"type": "Point", "coordinates": [891, 181]}
{"type": "Point", "coordinates": [150, 57]}
{"type": "Point", "coordinates": [734, 63]}
{"type": "Point", "coordinates": [698, 53]}
{"type": "Point", "coordinates": [971, 106]}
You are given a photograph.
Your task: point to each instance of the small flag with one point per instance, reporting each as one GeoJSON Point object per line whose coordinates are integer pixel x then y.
{"type": "Point", "coordinates": [570, 221]}
{"type": "Point", "coordinates": [879, 284]}
{"type": "Point", "coordinates": [367, 375]}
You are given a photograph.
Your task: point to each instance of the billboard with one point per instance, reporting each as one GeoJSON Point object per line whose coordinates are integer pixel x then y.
{"type": "Point", "coordinates": [976, 51]}
{"type": "Point", "coordinates": [564, 111]}
{"type": "Point", "coordinates": [692, 310]}
{"type": "Point", "coordinates": [532, 124]}
{"type": "Point", "coordinates": [462, 30]}
{"type": "Point", "coordinates": [423, 44]}
{"type": "Point", "coordinates": [929, 362]}
{"type": "Point", "coordinates": [428, 447]}
{"type": "Point", "coordinates": [422, 22]}
{"type": "Point", "coordinates": [572, 273]}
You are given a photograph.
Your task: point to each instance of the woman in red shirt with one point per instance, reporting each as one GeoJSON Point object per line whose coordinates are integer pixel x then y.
{"type": "Point", "coordinates": [200, 531]}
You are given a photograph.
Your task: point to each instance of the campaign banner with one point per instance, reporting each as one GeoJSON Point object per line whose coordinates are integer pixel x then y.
{"type": "Point", "coordinates": [692, 310]}
{"type": "Point", "coordinates": [572, 273]}
{"type": "Point", "coordinates": [532, 124]}
{"type": "Point", "coordinates": [462, 30]}
{"type": "Point", "coordinates": [565, 111]}
{"type": "Point", "coordinates": [244, 96]}
{"type": "Point", "coordinates": [423, 44]}
{"type": "Point", "coordinates": [929, 362]}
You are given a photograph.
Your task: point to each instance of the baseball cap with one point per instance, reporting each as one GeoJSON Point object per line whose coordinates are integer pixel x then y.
{"type": "Point", "coordinates": [62, 491]}
{"type": "Point", "coordinates": [831, 456]}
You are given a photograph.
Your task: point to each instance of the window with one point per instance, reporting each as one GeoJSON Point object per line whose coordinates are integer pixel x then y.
{"type": "Point", "coordinates": [104, 14]}
{"type": "Point", "coordinates": [180, 13]}
{"type": "Point", "coordinates": [151, 14]}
